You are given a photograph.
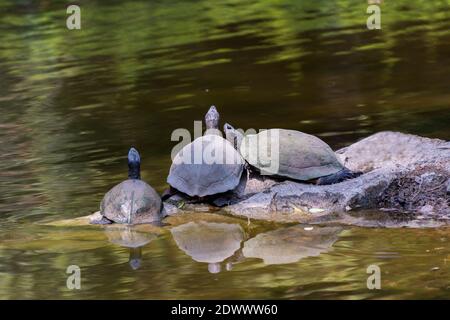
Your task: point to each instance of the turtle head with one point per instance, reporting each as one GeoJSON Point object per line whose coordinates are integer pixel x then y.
{"type": "Point", "coordinates": [233, 136]}
{"type": "Point", "coordinates": [134, 164]}
{"type": "Point", "coordinates": [212, 118]}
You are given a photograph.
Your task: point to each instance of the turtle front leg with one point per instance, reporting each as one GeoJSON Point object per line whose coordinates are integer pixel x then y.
{"type": "Point", "coordinates": [342, 175]}
{"type": "Point", "coordinates": [168, 193]}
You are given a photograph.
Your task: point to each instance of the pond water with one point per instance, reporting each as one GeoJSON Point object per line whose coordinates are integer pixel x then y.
{"type": "Point", "coordinates": [73, 102]}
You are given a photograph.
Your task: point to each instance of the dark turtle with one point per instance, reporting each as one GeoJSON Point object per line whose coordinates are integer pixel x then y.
{"type": "Point", "coordinates": [132, 201]}
{"type": "Point", "coordinates": [301, 156]}
{"type": "Point", "coordinates": [216, 170]}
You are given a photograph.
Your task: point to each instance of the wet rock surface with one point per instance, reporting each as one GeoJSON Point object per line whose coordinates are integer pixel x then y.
{"type": "Point", "coordinates": [402, 173]}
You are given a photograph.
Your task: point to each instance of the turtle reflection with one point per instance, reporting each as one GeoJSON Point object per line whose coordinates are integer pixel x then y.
{"type": "Point", "coordinates": [209, 242]}
{"type": "Point", "coordinates": [130, 237]}
{"type": "Point", "coordinates": [289, 245]}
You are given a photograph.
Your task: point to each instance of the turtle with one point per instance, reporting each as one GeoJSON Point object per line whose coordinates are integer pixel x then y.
{"type": "Point", "coordinates": [132, 201]}
{"type": "Point", "coordinates": [209, 242]}
{"type": "Point", "coordinates": [208, 166]}
{"type": "Point", "coordinates": [293, 154]}
{"type": "Point", "coordinates": [129, 237]}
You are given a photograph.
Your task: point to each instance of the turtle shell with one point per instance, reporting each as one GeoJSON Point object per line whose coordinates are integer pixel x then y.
{"type": "Point", "coordinates": [131, 201]}
{"type": "Point", "coordinates": [290, 153]}
{"type": "Point", "coordinates": [209, 165]}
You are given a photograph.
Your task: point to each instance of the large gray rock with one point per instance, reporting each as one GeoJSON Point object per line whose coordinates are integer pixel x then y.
{"type": "Point", "coordinates": [404, 172]}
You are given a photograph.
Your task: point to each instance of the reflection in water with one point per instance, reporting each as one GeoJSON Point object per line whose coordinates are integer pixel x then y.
{"type": "Point", "coordinates": [135, 259]}
{"type": "Point", "coordinates": [128, 236]}
{"type": "Point", "coordinates": [237, 258]}
{"type": "Point", "coordinates": [70, 109]}
{"type": "Point", "coordinates": [209, 242]}
{"type": "Point", "coordinates": [289, 245]}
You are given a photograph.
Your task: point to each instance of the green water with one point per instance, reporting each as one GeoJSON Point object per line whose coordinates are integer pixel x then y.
{"type": "Point", "coordinates": [72, 102]}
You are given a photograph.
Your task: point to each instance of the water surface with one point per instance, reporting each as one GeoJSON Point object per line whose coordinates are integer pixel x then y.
{"type": "Point", "coordinates": [72, 102]}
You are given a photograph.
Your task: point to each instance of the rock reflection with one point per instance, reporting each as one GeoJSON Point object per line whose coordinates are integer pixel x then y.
{"type": "Point", "coordinates": [209, 242]}
{"type": "Point", "coordinates": [132, 238]}
{"type": "Point", "coordinates": [289, 245]}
